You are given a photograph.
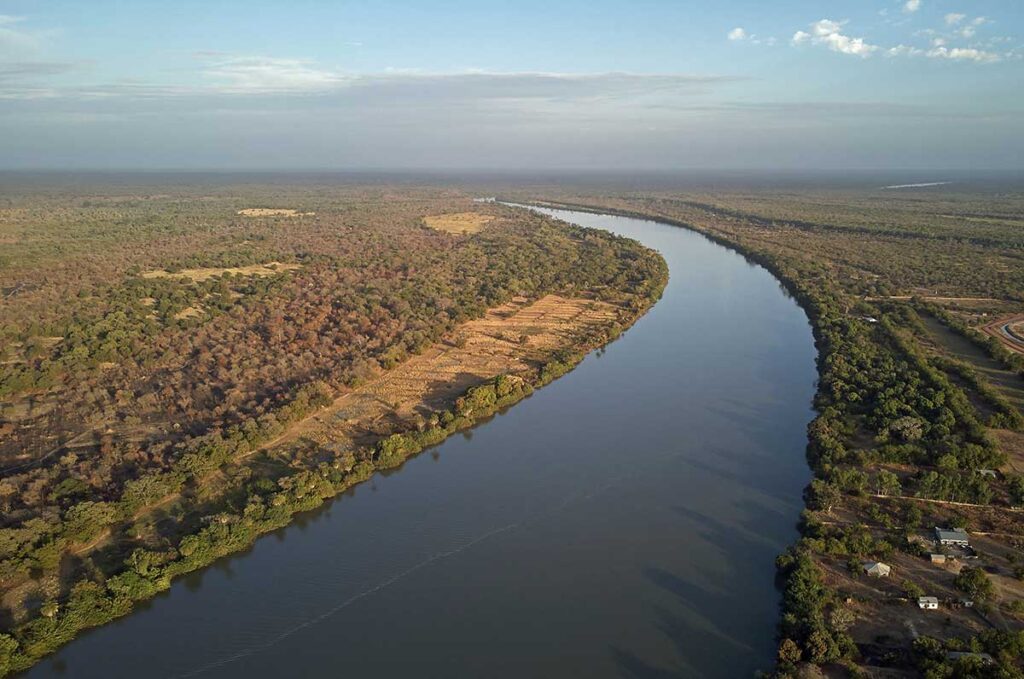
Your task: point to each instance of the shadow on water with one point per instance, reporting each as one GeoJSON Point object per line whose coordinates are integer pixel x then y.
{"type": "Point", "coordinates": [704, 593]}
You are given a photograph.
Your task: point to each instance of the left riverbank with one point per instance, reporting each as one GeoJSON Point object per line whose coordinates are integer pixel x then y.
{"type": "Point", "coordinates": [334, 444]}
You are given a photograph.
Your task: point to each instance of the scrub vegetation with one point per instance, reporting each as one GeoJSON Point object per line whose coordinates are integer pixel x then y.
{"type": "Point", "coordinates": [919, 417]}
{"type": "Point", "coordinates": [181, 373]}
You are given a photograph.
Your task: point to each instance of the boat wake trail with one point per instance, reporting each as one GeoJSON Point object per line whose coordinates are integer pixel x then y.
{"type": "Point", "coordinates": [348, 602]}
{"type": "Point", "coordinates": [580, 495]}
{"type": "Point", "coordinates": [915, 186]}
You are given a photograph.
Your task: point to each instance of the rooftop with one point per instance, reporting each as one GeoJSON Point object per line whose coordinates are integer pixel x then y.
{"type": "Point", "coordinates": [957, 534]}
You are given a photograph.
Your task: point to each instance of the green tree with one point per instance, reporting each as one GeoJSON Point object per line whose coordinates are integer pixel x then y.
{"type": "Point", "coordinates": [887, 483]}
{"type": "Point", "coordinates": [975, 583]}
{"type": "Point", "coordinates": [789, 653]}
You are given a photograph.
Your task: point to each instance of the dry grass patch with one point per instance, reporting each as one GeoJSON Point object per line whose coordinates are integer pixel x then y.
{"type": "Point", "coordinates": [1011, 443]}
{"type": "Point", "coordinates": [199, 275]}
{"type": "Point", "coordinates": [512, 338]}
{"type": "Point", "coordinates": [459, 222]}
{"type": "Point", "coordinates": [273, 212]}
{"type": "Point", "coordinates": [189, 312]}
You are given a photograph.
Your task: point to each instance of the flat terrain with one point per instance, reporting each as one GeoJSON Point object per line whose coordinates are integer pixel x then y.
{"type": "Point", "coordinates": [200, 275]}
{"type": "Point", "coordinates": [459, 223]}
{"type": "Point", "coordinates": [273, 212]}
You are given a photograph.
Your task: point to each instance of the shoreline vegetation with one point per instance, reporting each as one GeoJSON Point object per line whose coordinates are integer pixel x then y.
{"type": "Point", "coordinates": [936, 421]}
{"type": "Point", "coordinates": [235, 518]}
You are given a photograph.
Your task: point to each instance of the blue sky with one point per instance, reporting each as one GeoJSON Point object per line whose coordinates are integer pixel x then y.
{"type": "Point", "coordinates": [650, 84]}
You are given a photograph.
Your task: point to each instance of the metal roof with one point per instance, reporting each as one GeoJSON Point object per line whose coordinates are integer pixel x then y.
{"type": "Point", "coordinates": [957, 534]}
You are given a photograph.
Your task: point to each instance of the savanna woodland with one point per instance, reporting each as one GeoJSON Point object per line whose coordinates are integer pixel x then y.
{"type": "Point", "coordinates": [184, 369]}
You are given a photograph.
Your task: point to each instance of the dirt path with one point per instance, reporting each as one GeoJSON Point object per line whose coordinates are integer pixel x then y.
{"type": "Point", "coordinates": [946, 502]}
{"type": "Point", "coordinates": [1004, 330]}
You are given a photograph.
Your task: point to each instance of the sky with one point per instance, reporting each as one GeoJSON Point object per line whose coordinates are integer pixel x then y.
{"type": "Point", "coordinates": [519, 84]}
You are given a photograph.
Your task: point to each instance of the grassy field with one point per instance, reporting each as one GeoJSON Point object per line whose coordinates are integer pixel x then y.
{"type": "Point", "coordinates": [459, 222]}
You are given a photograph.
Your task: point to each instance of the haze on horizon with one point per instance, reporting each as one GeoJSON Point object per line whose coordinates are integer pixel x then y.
{"type": "Point", "coordinates": [880, 84]}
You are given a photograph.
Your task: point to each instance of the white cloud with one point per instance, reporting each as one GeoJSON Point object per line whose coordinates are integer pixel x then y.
{"type": "Point", "coordinates": [829, 33]}
{"type": "Point", "coordinates": [267, 74]}
{"type": "Point", "coordinates": [971, 29]}
{"type": "Point", "coordinates": [911, 6]}
{"type": "Point", "coordinates": [904, 51]}
{"type": "Point", "coordinates": [964, 54]}
{"type": "Point", "coordinates": [18, 42]}
{"type": "Point", "coordinates": [236, 81]}
{"type": "Point", "coordinates": [737, 33]}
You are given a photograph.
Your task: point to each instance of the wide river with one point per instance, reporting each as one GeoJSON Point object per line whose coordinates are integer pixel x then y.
{"type": "Point", "coordinates": [621, 522]}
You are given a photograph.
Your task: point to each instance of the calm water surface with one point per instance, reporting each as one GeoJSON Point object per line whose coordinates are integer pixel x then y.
{"type": "Point", "coordinates": [621, 522]}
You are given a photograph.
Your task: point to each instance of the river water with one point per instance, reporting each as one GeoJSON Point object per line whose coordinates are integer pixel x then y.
{"type": "Point", "coordinates": [621, 522]}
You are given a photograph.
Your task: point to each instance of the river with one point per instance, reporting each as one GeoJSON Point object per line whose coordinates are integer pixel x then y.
{"type": "Point", "coordinates": [621, 522]}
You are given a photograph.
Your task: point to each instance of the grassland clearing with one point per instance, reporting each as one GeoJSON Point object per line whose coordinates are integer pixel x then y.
{"type": "Point", "coordinates": [204, 274]}
{"type": "Point", "coordinates": [460, 223]}
{"type": "Point", "coordinates": [273, 212]}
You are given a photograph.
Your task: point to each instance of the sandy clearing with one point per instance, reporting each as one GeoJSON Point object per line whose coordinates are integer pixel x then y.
{"type": "Point", "coordinates": [459, 222]}
{"type": "Point", "coordinates": [189, 312]}
{"type": "Point", "coordinates": [199, 275]}
{"type": "Point", "coordinates": [273, 212]}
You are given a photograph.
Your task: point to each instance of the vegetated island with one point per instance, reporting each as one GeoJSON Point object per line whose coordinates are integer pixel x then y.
{"type": "Point", "coordinates": [182, 373]}
{"type": "Point", "coordinates": [911, 560]}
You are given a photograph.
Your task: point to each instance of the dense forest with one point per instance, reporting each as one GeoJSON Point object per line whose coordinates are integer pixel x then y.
{"type": "Point", "coordinates": [919, 415]}
{"type": "Point", "coordinates": [151, 342]}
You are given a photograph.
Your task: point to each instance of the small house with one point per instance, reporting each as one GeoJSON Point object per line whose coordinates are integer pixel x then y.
{"type": "Point", "coordinates": [928, 603]}
{"type": "Point", "coordinates": [990, 473]}
{"type": "Point", "coordinates": [938, 559]}
{"type": "Point", "coordinates": [877, 569]}
{"type": "Point", "coordinates": [954, 537]}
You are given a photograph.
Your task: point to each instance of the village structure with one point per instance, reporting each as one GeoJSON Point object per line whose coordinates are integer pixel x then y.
{"type": "Point", "coordinates": [952, 537]}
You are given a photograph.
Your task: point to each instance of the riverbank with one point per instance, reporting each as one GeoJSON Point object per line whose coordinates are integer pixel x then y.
{"type": "Point", "coordinates": [878, 370]}
{"type": "Point", "coordinates": [542, 351]}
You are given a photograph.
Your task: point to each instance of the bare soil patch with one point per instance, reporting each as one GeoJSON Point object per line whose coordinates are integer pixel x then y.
{"type": "Point", "coordinates": [459, 222]}
{"type": "Point", "coordinates": [199, 275]}
{"type": "Point", "coordinates": [273, 212]}
{"type": "Point", "coordinates": [1011, 443]}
